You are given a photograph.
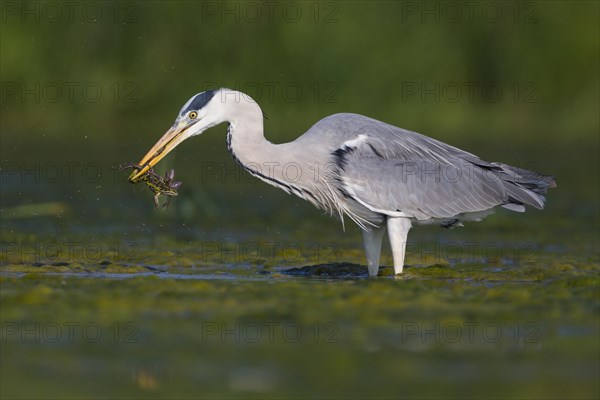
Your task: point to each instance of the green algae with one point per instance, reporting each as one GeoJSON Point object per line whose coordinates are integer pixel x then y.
{"type": "Point", "coordinates": [148, 306]}
{"type": "Point", "coordinates": [175, 330]}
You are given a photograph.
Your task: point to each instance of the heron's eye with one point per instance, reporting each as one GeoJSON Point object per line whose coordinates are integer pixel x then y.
{"type": "Point", "coordinates": [193, 115]}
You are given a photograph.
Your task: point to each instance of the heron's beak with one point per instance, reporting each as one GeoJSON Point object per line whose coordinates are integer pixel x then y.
{"type": "Point", "coordinates": [165, 144]}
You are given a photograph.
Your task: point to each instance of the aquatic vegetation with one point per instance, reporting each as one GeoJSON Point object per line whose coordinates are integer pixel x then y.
{"type": "Point", "coordinates": [168, 305]}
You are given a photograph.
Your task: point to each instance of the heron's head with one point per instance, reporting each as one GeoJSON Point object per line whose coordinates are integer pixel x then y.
{"type": "Point", "coordinates": [202, 111]}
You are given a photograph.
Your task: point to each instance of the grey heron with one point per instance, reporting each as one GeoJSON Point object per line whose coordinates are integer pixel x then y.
{"type": "Point", "coordinates": [380, 176]}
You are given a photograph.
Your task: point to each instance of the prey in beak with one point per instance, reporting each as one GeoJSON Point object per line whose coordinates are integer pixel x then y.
{"type": "Point", "coordinates": [171, 139]}
{"type": "Point", "coordinates": [159, 185]}
{"type": "Point", "coordinates": [186, 125]}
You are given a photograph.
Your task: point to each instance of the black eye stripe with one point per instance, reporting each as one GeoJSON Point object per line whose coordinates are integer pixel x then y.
{"type": "Point", "coordinates": [200, 100]}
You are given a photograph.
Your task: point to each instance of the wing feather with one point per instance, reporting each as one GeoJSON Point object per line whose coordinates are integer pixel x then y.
{"type": "Point", "coordinates": [398, 172]}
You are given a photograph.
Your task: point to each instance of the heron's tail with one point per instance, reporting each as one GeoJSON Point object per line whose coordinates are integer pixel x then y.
{"type": "Point", "coordinates": [524, 187]}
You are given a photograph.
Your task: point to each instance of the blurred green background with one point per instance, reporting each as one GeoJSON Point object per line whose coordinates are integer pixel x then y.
{"type": "Point", "coordinates": [100, 82]}
{"type": "Point", "coordinates": [89, 85]}
{"type": "Point", "coordinates": [149, 57]}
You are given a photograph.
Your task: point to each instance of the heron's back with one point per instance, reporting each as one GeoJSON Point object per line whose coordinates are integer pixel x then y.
{"type": "Point", "coordinates": [384, 169]}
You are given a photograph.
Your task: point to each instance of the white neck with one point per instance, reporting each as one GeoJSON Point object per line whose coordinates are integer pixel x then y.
{"type": "Point", "coordinates": [289, 166]}
{"type": "Point", "coordinates": [247, 144]}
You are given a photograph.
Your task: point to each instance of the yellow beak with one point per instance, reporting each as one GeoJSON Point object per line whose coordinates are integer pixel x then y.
{"type": "Point", "coordinates": [165, 144]}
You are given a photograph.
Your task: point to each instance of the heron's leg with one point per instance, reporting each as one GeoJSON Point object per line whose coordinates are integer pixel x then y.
{"type": "Point", "coordinates": [398, 232]}
{"type": "Point", "coordinates": [372, 240]}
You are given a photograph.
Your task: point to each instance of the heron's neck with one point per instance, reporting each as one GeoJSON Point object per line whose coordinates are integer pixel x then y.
{"type": "Point", "coordinates": [288, 166]}
{"type": "Point", "coordinates": [249, 147]}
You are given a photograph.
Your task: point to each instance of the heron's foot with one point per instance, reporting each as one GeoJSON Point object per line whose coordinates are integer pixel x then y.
{"type": "Point", "coordinates": [373, 270]}
{"type": "Point", "coordinates": [398, 269]}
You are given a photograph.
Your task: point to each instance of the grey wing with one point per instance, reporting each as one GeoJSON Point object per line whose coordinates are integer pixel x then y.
{"type": "Point", "coordinates": [420, 189]}
{"type": "Point", "coordinates": [402, 173]}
